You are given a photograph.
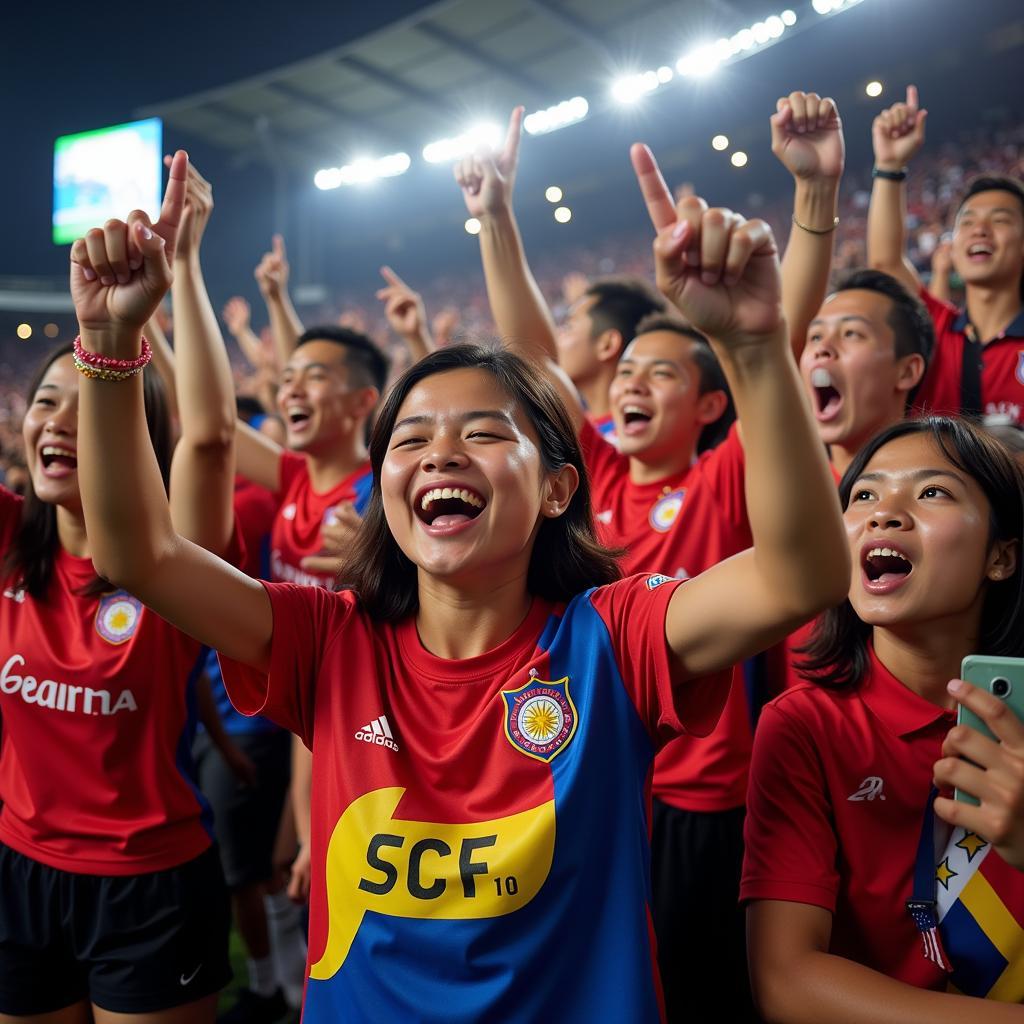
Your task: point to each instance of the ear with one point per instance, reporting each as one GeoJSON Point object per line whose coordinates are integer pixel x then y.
{"type": "Point", "coordinates": [711, 406]}
{"type": "Point", "coordinates": [559, 488]}
{"type": "Point", "coordinates": [909, 372]}
{"type": "Point", "coordinates": [365, 400]}
{"type": "Point", "coordinates": [1002, 560]}
{"type": "Point", "coordinates": [608, 346]}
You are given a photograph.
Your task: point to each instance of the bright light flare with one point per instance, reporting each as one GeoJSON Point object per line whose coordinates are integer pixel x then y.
{"type": "Point", "coordinates": [485, 135]}
{"type": "Point", "coordinates": [553, 194]}
{"type": "Point", "coordinates": [563, 214]}
{"type": "Point", "coordinates": [720, 142]}
{"type": "Point", "coordinates": [472, 226]}
{"type": "Point", "coordinates": [873, 89]}
{"type": "Point", "coordinates": [362, 171]}
{"type": "Point", "coordinates": [630, 88]}
{"type": "Point", "coordinates": [561, 115]}
{"type": "Point", "coordinates": [24, 331]}
{"type": "Point", "coordinates": [738, 159]}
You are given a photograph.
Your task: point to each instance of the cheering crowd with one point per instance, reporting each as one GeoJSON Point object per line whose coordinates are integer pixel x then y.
{"type": "Point", "coordinates": [540, 677]}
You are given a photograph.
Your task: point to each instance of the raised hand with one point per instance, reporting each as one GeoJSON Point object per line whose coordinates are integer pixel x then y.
{"type": "Point", "coordinates": [403, 307]}
{"type": "Point", "coordinates": [272, 271]}
{"type": "Point", "coordinates": [487, 179]}
{"type": "Point", "coordinates": [198, 207]}
{"type": "Point", "coordinates": [444, 325]}
{"type": "Point", "coordinates": [718, 269]}
{"type": "Point", "coordinates": [898, 133]}
{"type": "Point", "coordinates": [807, 136]}
{"type": "Point", "coordinates": [120, 272]}
{"type": "Point", "coordinates": [993, 773]}
{"type": "Point", "coordinates": [236, 314]}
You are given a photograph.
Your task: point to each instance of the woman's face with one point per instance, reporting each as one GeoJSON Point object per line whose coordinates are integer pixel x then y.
{"type": "Point", "coordinates": [50, 434]}
{"type": "Point", "coordinates": [919, 537]}
{"type": "Point", "coordinates": [462, 482]}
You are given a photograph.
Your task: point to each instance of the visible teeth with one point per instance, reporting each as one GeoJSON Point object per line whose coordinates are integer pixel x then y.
{"type": "Point", "coordinates": [627, 409]}
{"type": "Point", "coordinates": [821, 378]}
{"type": "Point", "coordinates": [977, 249]}
{"type": "Point", "coordinates": [887, 553]}
{"type": "Point", "coordinates": [50, 449]}
{"type": "Point", "coordinates": [439, 493]}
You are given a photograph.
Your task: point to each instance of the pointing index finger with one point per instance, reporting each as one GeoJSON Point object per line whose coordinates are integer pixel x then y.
{"type": "Point", "coordinates": [652, 185]}
{"type": "Point", "coordinates": [912, 97]}
{"type": "Point", "coordinates": [510, 152]}
{"type": "Point", "coordinates": [174, 199]}
{"type": "Point", "coordinates": [392, 278]}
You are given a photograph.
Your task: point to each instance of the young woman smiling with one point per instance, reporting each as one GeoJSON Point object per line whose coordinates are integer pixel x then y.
{"type": "Point", "coordinates": [485, 702]}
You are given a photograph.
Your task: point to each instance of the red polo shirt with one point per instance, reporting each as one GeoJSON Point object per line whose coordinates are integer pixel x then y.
{"type": "Point", "coordinates": [680, 526]}
{"type": "Point", "coordinates": [1002, 365]}
{"type": "Point", "coordinates": [838, 787]}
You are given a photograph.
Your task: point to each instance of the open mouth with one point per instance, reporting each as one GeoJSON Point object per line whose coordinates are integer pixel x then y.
{"type": "Point", "coordinates": [635, 418]}
{"type": "Point", "coordinates": [826, 396]}
{"type": "Point", "coordinates": [448, 506]}
{"type": "Point", "coordinates": [297, 417]}
{"type": "Point", "coordinates": [886, 566]}
{"type": "Point", "coordinates": [58, 458]}
{"type": "Point", "coordinates": [979, 251]}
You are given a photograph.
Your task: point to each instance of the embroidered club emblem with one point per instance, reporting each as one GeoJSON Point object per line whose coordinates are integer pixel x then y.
{"type": "Point", "coordinates": [656, 580]}
{"type": "Point", "coordinates": [117, 617]}
{"type": "Point", "coordinates": [1020, 366]}
{"type": "Point", "coordinates": [666, 509]}
{"type": "Point", "coordinates": [540, 718]}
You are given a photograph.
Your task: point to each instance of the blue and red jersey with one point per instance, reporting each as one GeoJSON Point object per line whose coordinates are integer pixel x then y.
{"type": "Point", "coordinates": [480, 827]}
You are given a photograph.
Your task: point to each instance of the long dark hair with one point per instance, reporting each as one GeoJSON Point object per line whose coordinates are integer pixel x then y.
{"type": "Point", "coordinates": [837, 653]}
{"type": "Point", "coordinates": [30, 560]}
{"type": "Point", "coordinates": [566, 557]}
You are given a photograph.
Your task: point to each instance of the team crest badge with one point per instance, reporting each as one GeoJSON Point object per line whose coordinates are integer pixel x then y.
{"type": "Point", "coordinates": [117, 617]}
{"type": "Point", "coordinates": [666, 509]}
{"type": "Point", "coordinates": [540, 718]}
{"type": "Point", "coordinates": [656, 580]}
{"type": "Point", "coordinates": [1020, 366]}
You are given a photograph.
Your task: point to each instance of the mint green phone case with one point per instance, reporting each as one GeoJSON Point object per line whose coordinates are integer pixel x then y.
{"type": "Point", "coordinates": [983, 672]}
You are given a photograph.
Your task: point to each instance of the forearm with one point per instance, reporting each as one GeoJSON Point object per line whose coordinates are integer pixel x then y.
{"type": "Point", "coordinates": [420, 344]}
{"type": "Point", "coordinates": [127, 518]}
{"type": "Point", "coordinates": [202, 368]}
{"type": "Point", "coordinates": [163, 361]}
{"type": "Point", "coordinates": [886, 237]}
{"type": "Point", "coordinates": [823, 987]}
{"type": "Point", "coordinates": [301, 788]}
{"type": "Point", "coordinates": [285, 325]}
{"type": "Point", "coordinates": [520, 312]}
{"type": "Point", "coordinates": [939, 287]}
{"type": "Point", "coordinates": [208, 713]}
{"type": "Point", "coordinates": [807, 262]}
{"type": "Point", "coordinates": [800, 549]}
{"type": "Point", "coordinates": [250, 346]}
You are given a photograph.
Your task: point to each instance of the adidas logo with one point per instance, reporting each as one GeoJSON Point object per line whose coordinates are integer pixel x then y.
{"type": "Point", "coordinates": [378, 732]}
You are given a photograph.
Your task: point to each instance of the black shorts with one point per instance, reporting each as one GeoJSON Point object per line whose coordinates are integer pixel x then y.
{"type": "Point", "coordinates": [696, 861]}
{"type": "Point", "coordinates": [129, 944]}
{"type": "Point", "coordinates": [246, 818]}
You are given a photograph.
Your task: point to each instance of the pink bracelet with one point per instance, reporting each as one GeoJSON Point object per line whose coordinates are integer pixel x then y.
{"type": "Point", "coordinates": [98, 362]}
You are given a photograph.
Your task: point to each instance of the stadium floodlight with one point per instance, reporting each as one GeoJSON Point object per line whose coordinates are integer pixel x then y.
{"type": "Point", "coordinates": [873, 89]}
{"type": "Point", "coordinates": [702, 60]}
{"type": "Point", "coordinates": [665, 74]}
{"type": "Point", "coordinates": [630, 88]}
{"type": "Point", "coordinates": [788, 18]}
{"type": "Point", "coordinates": [553, 194]}
{"type": "Point", "coordinates": [561, 115]}
{"type": "Point", "coordinates": [720, 142]}
{"type": "Point", "coordinates": [833, 6]}
{"type": "Point", "coordinates": [484, 135]}
{"type": "Point", "coordinates": [738, 159]}
{"type": "Point", "coordinates": [362, 171]}
{"type": "Point", "coordinates": [472, 226]}
{"type": "Point", "coordinates": [563, 214]}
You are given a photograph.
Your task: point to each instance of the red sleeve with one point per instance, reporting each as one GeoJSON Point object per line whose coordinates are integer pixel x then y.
{"type": "Point", "coordinates": [602, 459]}
{"type": "Point", "coordinates": [940, 390]}
{"type": "Point", "coordinates": [255, 509]}
{"type": "Point", "coordinates": [723, 467]}
{"type": "Point", "coordinates": [308, 621]}
{"type": "Point", "coordinates": [791, 846]}
{"type": "Point", "coordinates": [634, 611]}
{"type": "Point", "coordinates": [292, 466]}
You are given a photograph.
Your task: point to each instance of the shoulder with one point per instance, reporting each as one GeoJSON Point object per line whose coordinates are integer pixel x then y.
{"type": "Point", "coordinates": [294, 470]}
{"type": "Point", "coordinates": [943, 314]}
{"type": "Point", "coordinates": [728, 453]}
{"type": "Point", "coordinates": [811, 710]}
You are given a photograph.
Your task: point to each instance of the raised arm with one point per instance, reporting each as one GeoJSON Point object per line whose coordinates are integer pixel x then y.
{"type": "Point", "coordinates": [203, 470]}
{"type": "Point", "coordinates": [520, 313]}
{"type": "Point", "coordinates": [722, 273]}
{"type": "Point", "coordinates": [131, 535]}
{"type": "Point", "coordinates": [807, 138]}
{"type": "Point", "coordinates": [272, 275]}
{"type": "Point", "coordinates": [896, 135]}
{"type": "Point", "coordinates": [237, 317]}
{"type": "Point", "coordinates": [163, 360]}
{"type": "Point", "coordinates": [406, 315]}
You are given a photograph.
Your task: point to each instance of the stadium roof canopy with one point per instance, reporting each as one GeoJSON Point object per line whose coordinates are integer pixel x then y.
{"type": "Point", "coordinates": [421, 77]}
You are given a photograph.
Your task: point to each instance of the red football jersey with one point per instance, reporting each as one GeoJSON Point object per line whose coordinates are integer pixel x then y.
{"type": "Point", "coordinates": [255, 512]}
{"type": "Point", "coordinates": [681, 526]}
{"type": "Point", "coordinates": [97, 697]}
{"type": "Point", "coordinates": [482, 823]}
{"type": "Point", "coordinates": [296, 532]}
{"type": "Point", "coordinates": [1002, 365]}
{"type": "Point", "coordinates": [838, 789]}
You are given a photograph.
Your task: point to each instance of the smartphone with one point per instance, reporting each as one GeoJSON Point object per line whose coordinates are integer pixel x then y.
{"type": "Point", "coordinates": [1004, 679]}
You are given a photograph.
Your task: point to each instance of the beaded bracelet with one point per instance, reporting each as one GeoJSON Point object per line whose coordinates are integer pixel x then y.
{"type": "Point", "coordinates": [99, 367]}
{"type": "Point", "coordinates": [817, 231]}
